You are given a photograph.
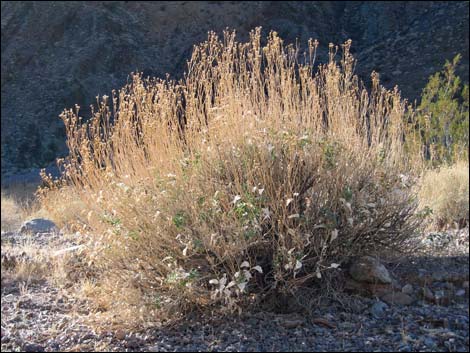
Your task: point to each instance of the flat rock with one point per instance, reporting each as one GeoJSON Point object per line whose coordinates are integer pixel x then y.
{"type": "Point", "coordinates": [398, 298]}
{"type": "Point", "coordinates": [38, 225]}
{"type": "Point", "coordinates": [32, 347]}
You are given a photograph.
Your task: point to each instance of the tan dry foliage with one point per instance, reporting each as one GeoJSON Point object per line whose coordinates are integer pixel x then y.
{"type": "Point", "coordinates": [17, 204]}
{"type": "Point", "coordinates": [445, 191]}
{"type": "Point", "coordinates": [11, 214]}
{"type": "Point", "coordinates": [254, 156]}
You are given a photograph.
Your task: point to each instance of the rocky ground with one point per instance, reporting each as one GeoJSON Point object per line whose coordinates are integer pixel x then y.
{"type": "Point", "coordinates": [417, 304]}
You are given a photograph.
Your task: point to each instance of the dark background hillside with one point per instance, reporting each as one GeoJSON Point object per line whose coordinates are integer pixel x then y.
{"type": "Point", "coordinates": [56, 54]}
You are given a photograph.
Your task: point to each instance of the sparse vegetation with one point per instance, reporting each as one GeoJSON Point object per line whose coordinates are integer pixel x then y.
{"type": "Point", "coordinates": [11, 214]}
{"type": "Point", "coordinates": [25, 263]}
{"type": "Point", "coordinates": [440, 135]}
{"type": "Point", "coordinates": [18, 202]}
{"type": "Point", "coordinates": [444, 195]}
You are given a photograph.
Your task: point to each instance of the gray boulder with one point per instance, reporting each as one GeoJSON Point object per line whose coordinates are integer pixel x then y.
{"type": "Point", "coordinates": [38, 225]}
{"type": "Point", "coordinates": [370, 270]}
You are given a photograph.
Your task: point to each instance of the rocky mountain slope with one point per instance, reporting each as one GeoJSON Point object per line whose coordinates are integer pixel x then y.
{"type": "Point", "coordinates": [56, 54]}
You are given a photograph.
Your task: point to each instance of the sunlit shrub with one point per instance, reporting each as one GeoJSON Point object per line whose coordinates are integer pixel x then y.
{"type": "Point", "coordinates": [255, 174]}
{"type": "Point", "coordinates": [444, 195]}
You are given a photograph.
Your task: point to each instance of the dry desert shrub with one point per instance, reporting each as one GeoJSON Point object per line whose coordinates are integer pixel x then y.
{"type": "Point", "coordinates": [444, 194]}
{"type": "Point", "coordinates": [11, 214]}
{"type": "Point", "coordinates": [17, 204]}
{"type": "Point", "coordinates": [255, 174]}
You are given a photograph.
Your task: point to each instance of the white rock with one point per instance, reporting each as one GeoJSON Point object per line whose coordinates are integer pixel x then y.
{"type": "Point", "coordinates": [68, 250]}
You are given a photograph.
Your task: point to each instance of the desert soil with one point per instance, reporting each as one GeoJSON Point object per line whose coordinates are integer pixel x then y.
{"type": "Point", "coordinates": [42, 316]}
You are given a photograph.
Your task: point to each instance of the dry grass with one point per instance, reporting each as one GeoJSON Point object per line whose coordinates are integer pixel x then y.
{"type": "Point", "coordinates": [18, 203]}
{"type": "Point", "coordinates": [25, 263]}
{"type": "Point", "coordinates": [253, 175]}
{"type": "Point", "coordinates": [444, 194]}
{"type": "Point", "coordinates": [64, 207]}
{"type": "Point", "coordinates": [34, 258]}
{"type": "Point", "coordinates": [12, 214]}
{"type": "Point", "coordinates": [28, 260]}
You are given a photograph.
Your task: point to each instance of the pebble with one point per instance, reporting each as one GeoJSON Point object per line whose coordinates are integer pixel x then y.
{"type": "Point", "coordinates": [428, 294]}
{"type": "Point", "coordinates": [120, 334]}
{"type": "Point", "coordinates": [407, 289]}
{"type": "Point", "coordinates": [378, 309]}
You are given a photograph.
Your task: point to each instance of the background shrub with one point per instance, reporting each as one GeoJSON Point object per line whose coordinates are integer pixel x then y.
{"type": "Point", "coordinates": [444, 194]}
{"type": "Point", "coordinates": [443, 117]}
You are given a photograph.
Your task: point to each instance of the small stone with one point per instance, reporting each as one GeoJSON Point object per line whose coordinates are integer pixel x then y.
{"type": "Point", "coordinates": [378, 309]}
{"type": "Point", "coordinates": [407, 289]}
{"type": "Point", "coordinates": [32, 347]}
{"type": "Point", "coordinates": [292, 323]}
{"type": "Point", "coordinates": [429, 342]}
{"type": "Point", "coordinates": [133, 342]}
{"type": "Point", "coordinates": [120, 335]}
{"type": "Point", "coordinates": [53, 345]}
{"type": "Point", "coordinates": [443, 297]}
{"type": "Point", "coordinates": [460, 293]}
{"type": "Point", "coordinates": [428, 294]}
{"type": "Point", "coordinates": [449, 285]}
{"type": "Point", "coordinates": [439, 276]}
{"type": "Point", "coordinates": [398, 298]}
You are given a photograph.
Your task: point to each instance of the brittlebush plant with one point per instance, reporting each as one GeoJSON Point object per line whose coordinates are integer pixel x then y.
{"type": "Point", "coordinates": [254, 174]}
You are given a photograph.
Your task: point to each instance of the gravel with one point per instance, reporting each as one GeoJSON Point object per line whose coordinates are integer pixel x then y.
{"type": "Point", "coordinates": [419, 328]}
{"type": "Point", "coordinates": [43, 317]}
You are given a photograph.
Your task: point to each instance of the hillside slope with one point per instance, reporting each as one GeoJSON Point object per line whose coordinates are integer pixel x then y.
{"type": "Point", "coordinates": [56, 54]}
